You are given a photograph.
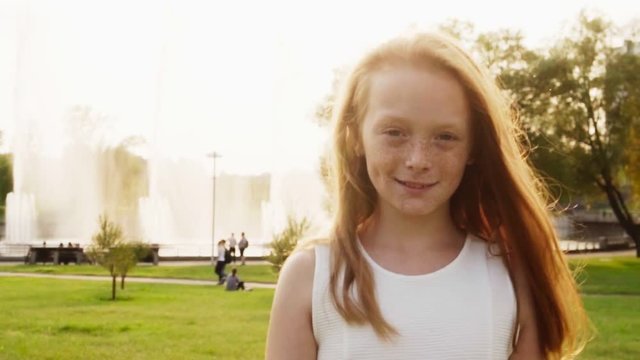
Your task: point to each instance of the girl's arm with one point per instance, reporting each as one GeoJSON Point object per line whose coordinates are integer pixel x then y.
{"type": "Point", "coordinates": [527, 342]}
{"type": "Point", "coordinates": [290, 330]}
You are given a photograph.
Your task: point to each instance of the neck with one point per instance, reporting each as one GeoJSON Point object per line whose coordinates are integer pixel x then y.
{"type": "Point", "coordinates": [388, 228]}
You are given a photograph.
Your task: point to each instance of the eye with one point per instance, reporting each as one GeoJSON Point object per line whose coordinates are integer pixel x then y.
{"type": "Point", "coordinates": [446, 137]}
{"type": "Point", "coordinates": [393, 132]}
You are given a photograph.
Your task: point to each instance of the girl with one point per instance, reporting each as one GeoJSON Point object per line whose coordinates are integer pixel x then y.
{"type": "Point", "coordinates": [442, 247]}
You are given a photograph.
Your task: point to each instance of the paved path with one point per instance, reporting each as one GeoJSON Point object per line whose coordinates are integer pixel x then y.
{"type": "Point", "coordinates": [249, 285]}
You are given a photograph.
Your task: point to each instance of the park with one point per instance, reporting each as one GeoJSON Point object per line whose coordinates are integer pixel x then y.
{"type": "Point", "coordinates": [124, 167]}
{"type": "Point", "coordinates": [52, 318]}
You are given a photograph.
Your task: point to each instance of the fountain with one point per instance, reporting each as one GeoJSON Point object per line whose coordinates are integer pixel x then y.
{"type": "Point", "coordinates": [20, 218]}
{"type": "Point", "coordinates": [160, 200]}
{"type": "Point", "coordinates": [71, 163]}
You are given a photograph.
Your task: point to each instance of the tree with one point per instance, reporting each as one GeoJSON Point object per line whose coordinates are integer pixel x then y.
{"type": "Point", "coordinates": [580, 104]}
{"type": "Point", "coordinates": [110, 250]}
{"type": "Point", "coordinates": [6, 181]}
{"type": "Point", "coordinates": [128, 254]}
{"type": "Point", "coordinates": [286, 241]}
{"type": "Point", "coordinates": [108, 237]}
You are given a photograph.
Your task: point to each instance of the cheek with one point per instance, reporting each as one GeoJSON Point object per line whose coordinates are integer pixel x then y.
{"type": "Point", "coordinates": [454, 162]}
{"type": "Point", "coordinates": [379, 160]}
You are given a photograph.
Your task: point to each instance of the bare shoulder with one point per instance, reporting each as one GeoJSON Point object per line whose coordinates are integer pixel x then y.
{"type": "Point", "coordinates": [290, 328]}
{"type": "Point", "coordinates": [299, 266]}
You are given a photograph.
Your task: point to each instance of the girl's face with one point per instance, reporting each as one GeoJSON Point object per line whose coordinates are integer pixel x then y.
{"type": "Point", "coordinates": [416, 138]}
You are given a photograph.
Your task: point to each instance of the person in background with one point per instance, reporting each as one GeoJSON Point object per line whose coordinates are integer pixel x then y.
{"type": "Point", "coordinates": [233, 281]}
{"type": "Point", "coordinates": [232, 248]}
{"type": "Point", "coordinates": [242, 245]}
{"type": "Point", "coordinates": [221, 263]}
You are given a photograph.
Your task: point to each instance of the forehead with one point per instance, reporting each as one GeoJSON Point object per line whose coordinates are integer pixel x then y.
{"type": "Point", "coordinates": [417, 93]}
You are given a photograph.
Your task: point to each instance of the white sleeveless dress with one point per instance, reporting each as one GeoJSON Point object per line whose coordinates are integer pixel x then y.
{"type": "Point", "coordinates": [466, 310]}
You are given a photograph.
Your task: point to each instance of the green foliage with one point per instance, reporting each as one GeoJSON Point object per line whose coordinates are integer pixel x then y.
{"type": "Point", "coordinates": [579, 103]}
{"type": "Point", "coordinates": [111, 250]}
{"type": "Point", "coordinates": [128, 254]}
{"type": "Point", "coordinates": [6, 180]}
{"type": "Point", "coordinates": [286, 241]}
{"type": "Point", "coordinates": [108, 236]}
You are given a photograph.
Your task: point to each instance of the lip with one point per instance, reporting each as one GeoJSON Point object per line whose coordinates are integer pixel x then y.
{"type": "Point", "coordinates": [415, 185]}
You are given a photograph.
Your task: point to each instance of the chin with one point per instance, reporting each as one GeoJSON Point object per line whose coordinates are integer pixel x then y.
{"type": "Point", "coordinates": [416, 210]}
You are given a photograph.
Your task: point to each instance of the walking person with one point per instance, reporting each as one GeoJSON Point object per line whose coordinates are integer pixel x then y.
{"type": "Point", "coordinates": [221, 262]}
{"type": "Point", "coordinates": [232, 248]}
{"type": "Point", "coordinates": [243, 245]}
{"type": "Point", "coordinates": [442, 246]}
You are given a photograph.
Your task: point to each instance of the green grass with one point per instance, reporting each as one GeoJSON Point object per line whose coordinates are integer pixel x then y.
{"type": "Point", "coordinates": [64, 319]}
{"type": "Point", "coordinates": [617, 320]}
{"type": "Point", "coordinates": [249, 273]}
{"type": "Point", "coordinates": [613, 275]}
{"type": "Point", "coordinates": [67, 319]}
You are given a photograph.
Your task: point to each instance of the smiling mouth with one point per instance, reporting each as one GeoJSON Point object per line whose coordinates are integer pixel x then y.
{"type": "Point", "coordinates": [415, 185]}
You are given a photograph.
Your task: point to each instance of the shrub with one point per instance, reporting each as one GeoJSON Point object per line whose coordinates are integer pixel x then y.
{"type": "Point", "coordinates": [285, 242]}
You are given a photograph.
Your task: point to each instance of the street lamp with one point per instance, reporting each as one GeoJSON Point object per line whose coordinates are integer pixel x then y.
{"type": "Point", "coordinates": [213, 155]}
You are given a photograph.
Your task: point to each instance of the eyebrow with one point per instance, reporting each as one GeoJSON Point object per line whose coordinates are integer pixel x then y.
{"type": "Point", "coordinates": [387, 119]}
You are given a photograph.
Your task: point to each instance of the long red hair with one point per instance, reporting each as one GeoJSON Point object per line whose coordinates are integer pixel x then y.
{"type": "Point", "coordinates": [500, 198]}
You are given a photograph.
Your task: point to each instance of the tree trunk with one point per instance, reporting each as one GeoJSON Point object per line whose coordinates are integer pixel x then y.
{"type": "Point", "coordinates": [122, 282]}
{"type": "Point", "coordinates": [113, 287]}
{"type": "Point", "coordinates": [622, 214]}
{"type": "Point", "coordinates": [636, 239]}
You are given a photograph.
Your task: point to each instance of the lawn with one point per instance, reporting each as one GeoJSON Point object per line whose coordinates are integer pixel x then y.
{"type": "Point", "coordinates": [67, 319]}
{"type": "Point", "coordinates": [250, 273]}
{"type": "Point", "coordinates": [64, 319]}
{"type": "Point", "coordinates": [613, 275]}
{"type": "Point", "coordinates": [617, 320]}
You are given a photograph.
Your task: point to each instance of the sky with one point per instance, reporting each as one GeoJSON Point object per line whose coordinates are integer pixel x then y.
{"type": "Point", "coordinates": [242, 78]}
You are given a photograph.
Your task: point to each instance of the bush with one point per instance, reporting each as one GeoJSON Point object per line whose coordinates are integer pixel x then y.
{"type": "Point", "coordinates": [111, 250]}
{"type": "Point", "coordinates": [286, 241]}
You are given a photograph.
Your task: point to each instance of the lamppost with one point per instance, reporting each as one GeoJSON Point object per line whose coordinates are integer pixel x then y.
{"type": "Point", "coordinates": [214, 155]}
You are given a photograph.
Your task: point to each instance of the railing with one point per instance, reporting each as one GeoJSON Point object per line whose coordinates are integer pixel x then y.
{"type": "Point", "coordinates": [8, 250]}
{"type": "Point", "coordinates": [13, 250]}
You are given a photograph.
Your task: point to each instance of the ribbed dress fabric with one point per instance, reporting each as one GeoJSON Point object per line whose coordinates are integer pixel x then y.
{"type": "Point", "coordinates": [465, 310]}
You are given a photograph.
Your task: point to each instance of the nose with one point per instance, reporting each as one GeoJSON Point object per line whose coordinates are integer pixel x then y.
{"type": "Point", "coordinates": [418, 156]}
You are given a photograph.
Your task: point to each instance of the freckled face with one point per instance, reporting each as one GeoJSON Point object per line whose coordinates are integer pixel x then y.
{"type": "Point", "coordinates": [416, 138]}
